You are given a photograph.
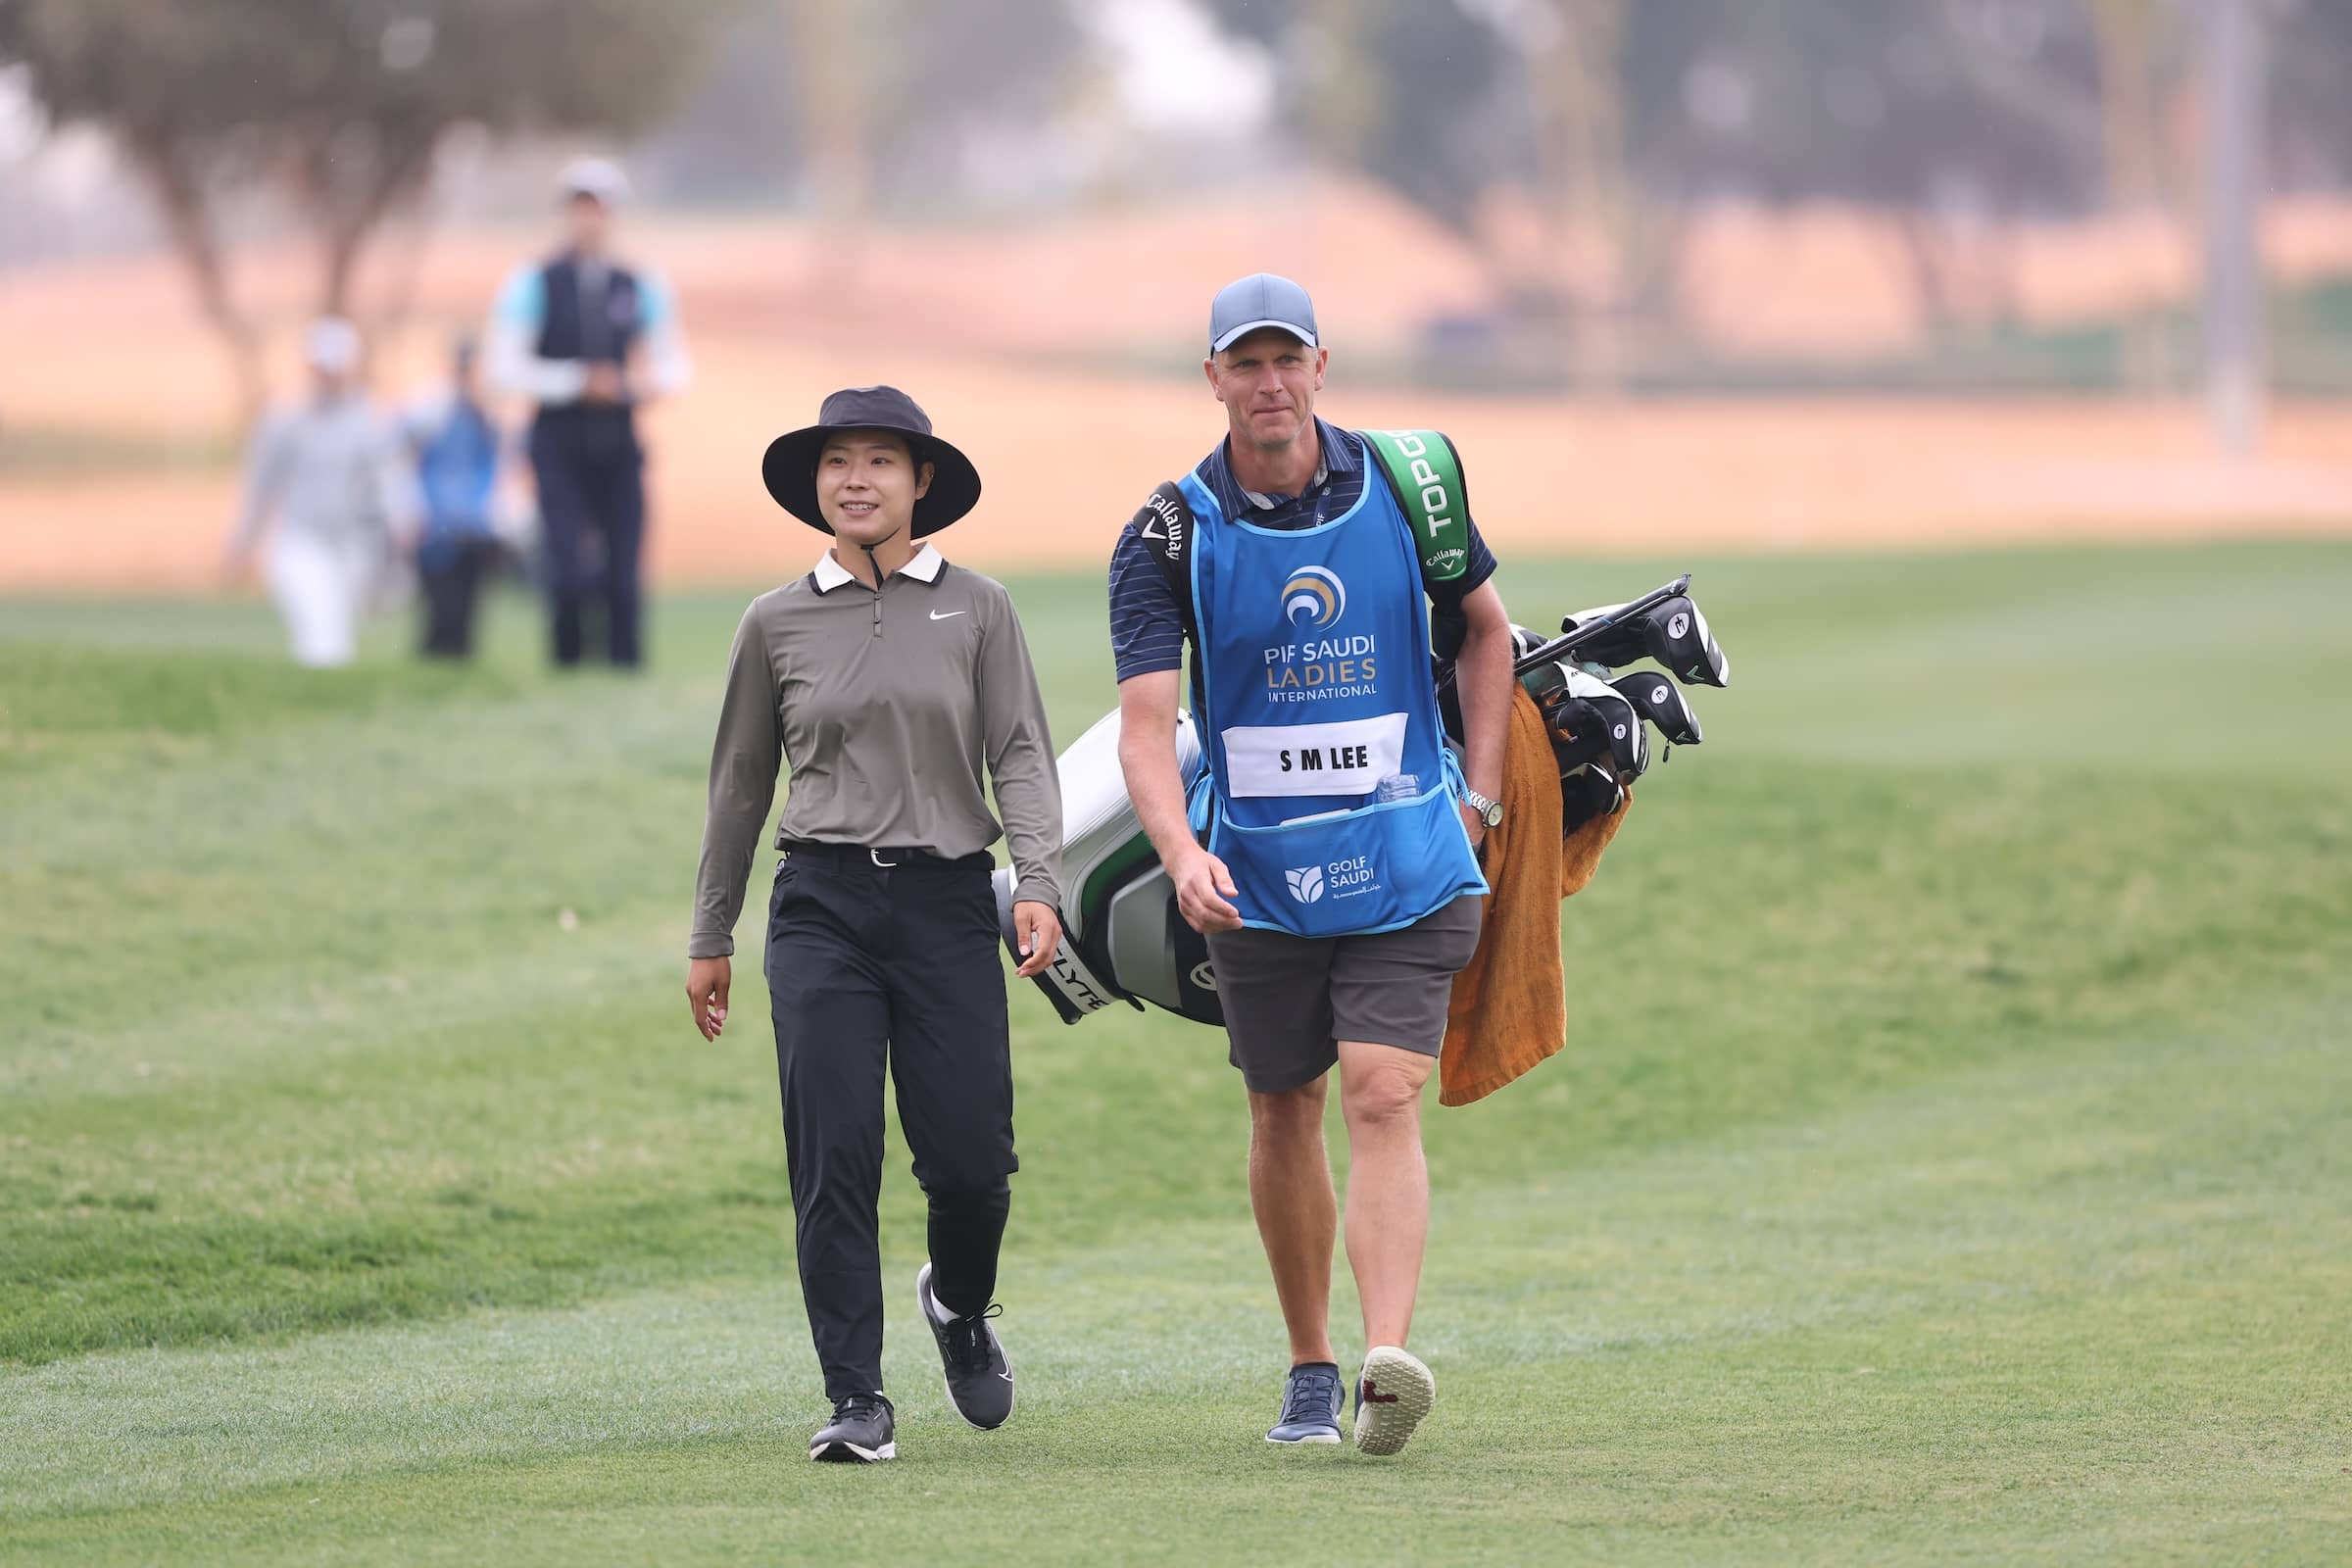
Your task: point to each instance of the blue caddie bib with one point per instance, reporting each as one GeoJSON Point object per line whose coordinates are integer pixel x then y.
{"type": "Point", "coordinates": [1329, 792]}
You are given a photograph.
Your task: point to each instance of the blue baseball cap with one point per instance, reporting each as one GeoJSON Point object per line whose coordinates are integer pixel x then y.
{"type": "Point", "coordinates": [1262, 299]}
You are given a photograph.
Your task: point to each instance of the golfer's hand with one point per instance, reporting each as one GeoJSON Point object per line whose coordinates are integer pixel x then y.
{"type": "Point", "coordinates": [604, 384]}
{"type": "Point", "coordinates": [1038, 929]}
{"type": "Point", "coordinates": [707, 994]}
{"type": "Point", "coordinates": [1202, 888]}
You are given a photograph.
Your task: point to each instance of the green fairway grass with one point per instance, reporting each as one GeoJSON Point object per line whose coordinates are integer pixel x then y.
{"type": "Point", "coordinates": [1950, 1159]}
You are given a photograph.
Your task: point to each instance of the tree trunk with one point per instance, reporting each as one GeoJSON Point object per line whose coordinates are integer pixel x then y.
{"type": "Point", "coordinates": [188, 225]}
{"type": "Point", "coordinates": [1927, 266]}
{"type": "Point", "coordinates": [339, 244]}
{"type": "Point", "coordinates": [834, 122]}
{"type": "Point", "coordinates": [347, 199]}
{"type": "Point", "coordinates": [1656, 232]}
{"type": "Point", "coordinates": [2131, 134]}
{"type": "Point", "coordinates": [397, 301]}
{"type": "Point", "coordinates": [1582, 153]}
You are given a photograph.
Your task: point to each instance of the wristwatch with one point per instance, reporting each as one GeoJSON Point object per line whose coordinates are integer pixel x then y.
{"type": "Point", "coordinates": [1490, 810]}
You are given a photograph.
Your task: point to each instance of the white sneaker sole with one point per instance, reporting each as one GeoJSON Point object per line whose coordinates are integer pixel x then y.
{"type": "Point", "coordinates": [830, 1453]}
{"type": "Point", "coordinates": [1331, 1440]}
{"type": "Point", "coordinates": [1402, 1393]}
{"type": "Point", "coordinates": [922, 1306]}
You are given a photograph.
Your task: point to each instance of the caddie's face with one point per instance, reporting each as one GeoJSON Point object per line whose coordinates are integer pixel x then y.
{"type": "Point", "coordinates": [867, 483]}
{"type": "Point", "coordinates": [1267, 382]}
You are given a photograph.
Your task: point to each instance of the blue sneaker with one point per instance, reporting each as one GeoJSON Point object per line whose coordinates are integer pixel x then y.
{"type": "Point", "coordinates": [1311, 1402]}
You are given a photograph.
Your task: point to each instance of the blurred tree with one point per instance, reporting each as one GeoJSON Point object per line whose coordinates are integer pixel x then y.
{"type": "Point", "coordinates": [338, 105]}
{"type": "Point", "coordinates": [2310, 64]}
{"type": "Point", "coordinates": [875, 107]}
{"type": "Point", "coordinates": [1423, 97]}
{"type": "Point", "coordinates": [1626, 112]}
{"type": "Point", "coordinates": [1917, 109]}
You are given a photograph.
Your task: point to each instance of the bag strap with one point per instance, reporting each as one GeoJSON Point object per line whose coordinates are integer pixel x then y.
{"type": "Point", "coordinates": [1425, 474]}
{"type": "Point", "coordinates": [1166, 526]}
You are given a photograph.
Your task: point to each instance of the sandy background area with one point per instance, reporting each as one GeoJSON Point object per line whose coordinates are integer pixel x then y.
{"type": "Point", "coordinates": [777, 314]}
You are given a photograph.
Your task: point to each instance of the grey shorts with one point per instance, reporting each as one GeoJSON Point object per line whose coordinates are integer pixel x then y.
{"type": "Point", "coordinates": [1289, 1001]}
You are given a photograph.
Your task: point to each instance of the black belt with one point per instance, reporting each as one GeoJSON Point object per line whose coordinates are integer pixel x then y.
{"type": "Point", "coordinates": [885, 856]}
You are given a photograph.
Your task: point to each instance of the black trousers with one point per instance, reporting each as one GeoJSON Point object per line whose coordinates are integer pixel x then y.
{"type": "Point", "coordinates": [591, 480]}
{"type": "Point", "coordinates": [869, 965]}
{"type": "Point", "coordinates": [452, 580]}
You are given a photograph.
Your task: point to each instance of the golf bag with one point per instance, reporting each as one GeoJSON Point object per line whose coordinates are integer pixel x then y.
{"type": "Point", "coordinates": [1122, 937]}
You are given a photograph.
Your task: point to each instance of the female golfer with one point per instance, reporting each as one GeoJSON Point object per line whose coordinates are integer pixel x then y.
{"type": "Point", "coordinates": [886, 679]}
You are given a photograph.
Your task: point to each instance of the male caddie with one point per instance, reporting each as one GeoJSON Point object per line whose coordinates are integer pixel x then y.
{"type": "Point", "coordinates": [588, 341]}
{"type": "Point", "coordinates": [1328, 850]}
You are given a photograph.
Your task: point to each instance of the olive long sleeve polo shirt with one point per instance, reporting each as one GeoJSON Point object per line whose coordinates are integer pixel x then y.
{"type": "Point", "coordinates": [886, 704]}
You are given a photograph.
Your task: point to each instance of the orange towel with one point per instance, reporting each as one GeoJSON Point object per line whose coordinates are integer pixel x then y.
{"type": "Point", "coordinates": [1509, 1009]}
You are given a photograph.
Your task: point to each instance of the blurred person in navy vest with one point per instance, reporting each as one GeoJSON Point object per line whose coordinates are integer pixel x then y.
{"type": "Point", "coordinates": [458, 449]}
{"type": "Point", "coordinates": [588, 341]}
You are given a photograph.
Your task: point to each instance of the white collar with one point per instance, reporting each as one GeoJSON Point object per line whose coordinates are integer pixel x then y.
{"type": "Point", "coordinates": [924, 565]}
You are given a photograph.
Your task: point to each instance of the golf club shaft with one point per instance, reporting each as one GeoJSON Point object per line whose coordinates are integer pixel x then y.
{"type": "Point", "coordinates": [1567, 641]}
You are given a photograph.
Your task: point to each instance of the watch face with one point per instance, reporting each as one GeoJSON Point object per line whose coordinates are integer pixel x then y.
{"type": "Point", "coordinates": [1493, 813]}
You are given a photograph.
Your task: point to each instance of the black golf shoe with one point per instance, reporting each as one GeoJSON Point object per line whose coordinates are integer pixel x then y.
{"type": "Point", "coordinates": [978, 1376]}
{"type": "Point", "coordinates": [863, 1430]}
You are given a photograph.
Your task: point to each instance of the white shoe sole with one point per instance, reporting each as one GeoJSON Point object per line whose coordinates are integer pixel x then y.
{"type": "Point", "coordinates": [1333, 1440]}
{"type": "Point", "coordinates": [829, 1452]}
{"type": "Point", "coordinates": [923, 1305]}
{"type": "Point", "coordinates": [1402, 1392]}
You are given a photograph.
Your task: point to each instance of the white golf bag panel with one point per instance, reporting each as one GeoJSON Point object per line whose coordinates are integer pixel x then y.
{"type": "Point", "coordinates": [1123, 939]}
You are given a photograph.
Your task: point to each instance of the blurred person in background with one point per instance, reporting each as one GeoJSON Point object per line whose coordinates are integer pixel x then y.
{"type": "Point", "coordinates": [588, 341]}
{"type": "Point", "coordinates": [329, 480]}
{"type": "Point", "coordinates": [457, 451]}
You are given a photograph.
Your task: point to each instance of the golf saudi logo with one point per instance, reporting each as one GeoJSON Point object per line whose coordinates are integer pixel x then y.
{"type": "Point", "coordinates": [1305, 883]}
{"type": "Point", "coordinates": [1315, 596]}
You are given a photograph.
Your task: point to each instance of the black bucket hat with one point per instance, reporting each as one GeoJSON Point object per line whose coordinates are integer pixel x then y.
{"type": "Point", "coordinates": [790, 467]}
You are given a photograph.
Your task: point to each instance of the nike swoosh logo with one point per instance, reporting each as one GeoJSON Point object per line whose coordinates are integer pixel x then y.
{"type": "Point", "coordinates": [945, 614]}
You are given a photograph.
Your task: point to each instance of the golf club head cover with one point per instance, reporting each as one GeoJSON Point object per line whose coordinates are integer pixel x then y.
{"type": "Point", "coordinates": [1619, 644]}
{"type": "Point", "coordinates": [1579, 733]}
{"type": "Point", "coordinates": [1628, 742]}
{"type": "Point", "coordinates": [1585, 794]}
{"type": "Point", "coordinates": [1677, 636]}
{"type": "Point", "coordinates": [1660, 701]}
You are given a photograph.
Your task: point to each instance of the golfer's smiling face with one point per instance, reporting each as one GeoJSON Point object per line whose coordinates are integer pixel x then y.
{"type": "Point", "coordinates": [867, 483]}
{"type": "Point", "coordinates": [1267, 382]}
